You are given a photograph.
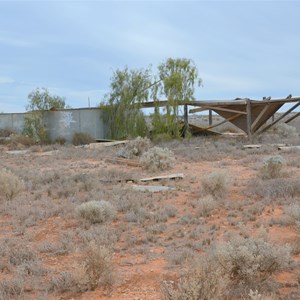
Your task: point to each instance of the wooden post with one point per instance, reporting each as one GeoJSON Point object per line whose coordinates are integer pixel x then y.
{"type": "Point", "coordinates": [249, 120]}
{"type": "Point", "coordinates": [210, 117]}
{"type": "Point", "coordinates": [273, 118]}
{"type": "Point", "coordinates": [186, 120]}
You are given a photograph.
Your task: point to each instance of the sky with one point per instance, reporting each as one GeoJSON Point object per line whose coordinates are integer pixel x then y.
{"type": "Point", "coordinates": [241, 48]}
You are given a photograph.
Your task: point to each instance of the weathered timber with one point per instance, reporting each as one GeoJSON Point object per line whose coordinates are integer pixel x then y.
{"type": "Point", "coordinates": [157, 178]}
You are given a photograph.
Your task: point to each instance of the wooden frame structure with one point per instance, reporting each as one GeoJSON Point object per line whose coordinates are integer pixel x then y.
{"type": "Point", "coordinates": [246, 114]}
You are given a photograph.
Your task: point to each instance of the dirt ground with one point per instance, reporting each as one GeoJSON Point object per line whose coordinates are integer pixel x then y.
{"type": "Point", "coordinates": [153, 235]}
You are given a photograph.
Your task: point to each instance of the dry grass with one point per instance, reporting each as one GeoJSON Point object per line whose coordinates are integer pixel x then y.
{"type": "Point", "coordinates": [10, 185]}
{"type": "Point", "coordinates": [51, 250]}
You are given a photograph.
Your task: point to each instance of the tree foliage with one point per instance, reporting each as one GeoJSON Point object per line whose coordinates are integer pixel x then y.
{"type": "Point", "coordinates": [128, 90]}
{"type": "Point", "coordinates": [40, 100]}
{"type": "Point", "coordinates": [177, 79]}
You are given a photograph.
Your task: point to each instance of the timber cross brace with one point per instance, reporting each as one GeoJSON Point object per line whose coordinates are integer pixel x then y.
{"type": "Point", "coordinates": [246, 114]}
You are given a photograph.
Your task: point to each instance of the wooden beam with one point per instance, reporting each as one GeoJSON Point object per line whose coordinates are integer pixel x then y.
{"type": "Point", "coordinates": [225, 121]}
{"type": "Point", "coordinates": [249, 120]}
{"type": "Point", "coordinates": [210, 117]}
{"type": "Point", "coordinates": [292, 118]}
{"type": "Point", "coordinates": [218, 108]}
{"type": "Point", "coordinates": [280, 118]}
{"type": "Point", "coordinates": [258, 118]}
{"type": "Point", "coordinates": [186, 121]}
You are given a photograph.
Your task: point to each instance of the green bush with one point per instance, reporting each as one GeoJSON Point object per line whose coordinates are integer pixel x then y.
{"type": "Point", "coordinates": [96, 211]}
{"type": "Point", "coordinates": [157, 158]}
{"type": "Point", "coordinates": [81, 138]}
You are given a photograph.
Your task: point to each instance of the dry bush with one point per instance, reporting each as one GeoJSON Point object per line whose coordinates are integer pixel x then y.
{"type": "Point", "coordinates": [82, 138]}
{"type": "Point", "coordinates": [274, 189]}
{"type": "Point", "coordinates": [98, 266]}
{"type": "Point", "coordinates": [215, 184]}
{"type": "Point", "coordinates": [65, 281]}
{"type": "Point", "coordinates": [10, 184]}
{"type": "Point", "coordinates": [293, 212]}
{"type": "Point", "coordinates": [285, 130]}
{"type": "Point", "coordinates": [272, 167]}
{"type": "Point", "coordinates": [135, 147]}
{"type": "Point", "coordinates": [20, 141]}
{"type": "Point", "coordinates": [202, 281]}
{"type": "Point", "coordinates": [251, 261]}
{"type": "Point", "coordinates": [157, 158]}
{"type": "Point", "coordinates": [21, 254]}
{"type": "Point", "coordinates": [205, 206]}
{"type": "Point", "coordinates": [96, 211]}
{"type": "Point", "coordinates": [12, 288]}
{"type": "Point", "coordinates": [7, 132]}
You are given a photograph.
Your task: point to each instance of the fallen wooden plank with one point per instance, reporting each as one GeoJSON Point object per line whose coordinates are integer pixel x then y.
{"type": "Point", "coordinates": [106, 144]}
{"type": "Point", "coordinates": [256, 146]}
{"type": "Point", "coordinates": [289, 148]}
{"type": "Point", "coordinates": [156, 178]}
{"type": "Point", "coordinates": [152, 188]}
{"type": "Point", "coordinates": [251, 146]}
{"type": "Point", "coordinates": [124, 161]}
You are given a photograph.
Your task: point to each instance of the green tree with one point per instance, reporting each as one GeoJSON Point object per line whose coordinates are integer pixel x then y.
{"type": "Point", "coordinates": [177, 79]}
{"type": "Point", "coordinates": [40, 100]}
{"type": "Point", "coordinates": [128, 90]}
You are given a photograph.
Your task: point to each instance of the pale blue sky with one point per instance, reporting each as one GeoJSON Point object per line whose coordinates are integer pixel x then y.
{"type": "Point", "coordinates": [241, 48]}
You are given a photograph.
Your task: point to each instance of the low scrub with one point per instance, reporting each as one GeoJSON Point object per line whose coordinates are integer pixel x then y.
{"type": "Point", "coordinates": [157, 158]}
{"type": "Point", "coordinates": [205, 206]}
{"type": "Point", "coordinates": [10, 185]}
{"type": "Point", "coordinates": [81, 138]}
{"type": "Point", "coordinates": [135, 148]}
{"type": "Point", "coordinates": [293, 212]}
{"type": "Point", "coordinates": [251, 261]}
{"type": "Point", "coordinates": [98, 266]}
{"type": "Point", "coordinates": [202, 281]}
{"type": "Point", "coordinates": [215, 184]}
{"type": "Point", "coordinates": [96, 211]}
{"type": "Point", "coordinates": [272, 167]}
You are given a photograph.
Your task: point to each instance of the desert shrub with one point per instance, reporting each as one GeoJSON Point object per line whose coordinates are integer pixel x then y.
{"type": "Point", "coordinates": [98, 265]}
{"type": "Point", "coordinates": [60, 140]}
{"type": "Point", "coordinates": [215, 184]}
{"type": "Point", "coordinates": [277, 188]}
{"type": "Point", "coordinates": [11, 289]}
{"type": "Point", "coordinates": [10, 184]}
{"type": "Point", "coordinates": [272, 167]}
{"type": "Point", "coordinates": [135, 147]}
{"type": "Point", "coordinates": [20, 141]}
{"type": "Point", "coordinates": [157, 158]}
{"type": "Point", "coordinates": [202, 281]}
{"type": "Point", "coordinates": [205, 206]}
{"type": "Point", "coordinates": [96, 211]}
{"type": "Point", "coordinates": [81, 138]}
{"type": "Point", "coordinates": [285, 130]}
{"type": "Point", "coordinates": [251, 261]}
{"type": "Point", "coordinates": [6, 132]}
{"type": "Point", "coordinates": [63, 282]}
{"type": "Point", "coordinates": [293, 211]}
{"type": "Point", "coordinates": [20, 255]}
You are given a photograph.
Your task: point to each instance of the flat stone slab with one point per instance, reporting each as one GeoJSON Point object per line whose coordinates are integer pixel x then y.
{"type": "Point", "coordinates": [152, 188]}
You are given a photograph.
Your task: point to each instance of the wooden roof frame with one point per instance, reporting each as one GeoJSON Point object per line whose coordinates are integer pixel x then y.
{"type": "Point", "coordinates": [248, 115]}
